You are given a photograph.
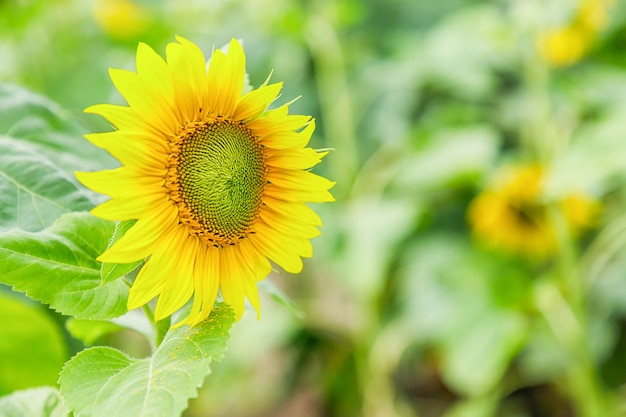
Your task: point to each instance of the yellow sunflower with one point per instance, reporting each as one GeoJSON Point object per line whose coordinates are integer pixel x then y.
{"type": "Point", "coordinates": [511, 215]}
{"type": "Point", "coordinates": [121, 19]}
{"type": "Point", "coordinates": [217, 182]}
{"type": "Point", "coordinates": [565, 45]}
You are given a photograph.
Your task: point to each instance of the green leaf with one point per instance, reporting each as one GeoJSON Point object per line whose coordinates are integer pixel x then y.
{"type": "Point", "coordinates": [478, 352]}
{"type": "Point", "coordinates": [32, 347]}
{"type": "Point", "coordinates": [48, 128]}
{"type": "Point", "coordinates": [485, 43]}
{"type": "Point", "coordinates": [33, 191]}
{"type": "Point", "coordinates": [484, 406]}
{"type": "Point", "coordinates": [58, 266]}
{"type": "Point", "coordinates": [110, 272]}
{"type": "Point", "coordinates": [452, 155]}
{"type": "Point", "coordinates": [23, 113]}
{"type": "Point", "coordinates": [574, 170]}
{"type": "Point", "coordinates": [102, 381]}
{"type": "Point", "coordinates": [89, 331]}
{"type": "Point", "coordinates": [34, 402]}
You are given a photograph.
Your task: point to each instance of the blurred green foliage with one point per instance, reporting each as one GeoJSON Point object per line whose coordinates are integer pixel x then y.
{"type": "Point", "coordinates": [404, 311]}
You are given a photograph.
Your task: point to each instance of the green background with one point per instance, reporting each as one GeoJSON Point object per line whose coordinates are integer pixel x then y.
{"type": "Point", "coordinates": [401, 311]}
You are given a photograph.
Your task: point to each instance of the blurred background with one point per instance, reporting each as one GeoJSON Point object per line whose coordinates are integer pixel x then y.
{"type": "Point", "coordinates": [474, 263]}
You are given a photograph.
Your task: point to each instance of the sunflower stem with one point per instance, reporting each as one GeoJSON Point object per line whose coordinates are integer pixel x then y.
{"type": "Point", "coordinates": [562, 301]}
{"type": "Point", "coordinates": [162, 326]}
{"type": "Point", "coordinates": [583, 379]}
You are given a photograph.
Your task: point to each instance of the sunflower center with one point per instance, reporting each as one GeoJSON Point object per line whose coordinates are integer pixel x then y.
{"type": "Point", "coordinates": [216, 178]}
{"type": "Point", "coordinates": [528, 214]}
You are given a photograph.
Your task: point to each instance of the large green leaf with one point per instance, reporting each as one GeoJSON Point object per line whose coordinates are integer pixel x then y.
{"type": "Point", "coordinates": [33, 191]}
{"type": "Point", "coordinates": [58, 266]}
{"type": "Point", "coordinates": [49, 128]}
{"type": "Point", "coordinates": [452, 155]}
{"type": "Point", "coordinates": [34, 402]}
{"type": "Point", "coordinates": [32, 347]}
{"type": "Point", "coordinates": [478, 352]}
{"type": "Point", "coordinates": [470, 305]}
{"type": "Point", "coordinates": [102, 381]}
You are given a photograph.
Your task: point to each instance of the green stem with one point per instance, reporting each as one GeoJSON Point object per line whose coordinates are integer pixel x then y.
{"type": "Point", "coordinates": [160, 327]}
{"type": "Point", "coordinates": [570, 306]}
{"type": "Point", "coordinates": [604, 247]}
{"type": "Point", "coordinates": [562, 303]}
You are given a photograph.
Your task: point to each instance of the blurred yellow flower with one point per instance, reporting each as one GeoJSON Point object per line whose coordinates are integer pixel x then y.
{"type": "Point", "coordinates": [218, 183]}
{"type": "Point", "coordinates": [567, 44]}
{"type": "Point", "coordinates": [121, 19]}
{"type": "Point", "coordinates": [512, 216]}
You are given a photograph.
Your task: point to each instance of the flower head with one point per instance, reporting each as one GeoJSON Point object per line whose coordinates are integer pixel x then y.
{"type": "Point", "coordinates": [512, 216]}
{"type": "Point", "coordinates": [567, 44]}
{"type": "Point", "coordinates": [217, 182]}
{"type": "Point", "coordinates": [121, 19]}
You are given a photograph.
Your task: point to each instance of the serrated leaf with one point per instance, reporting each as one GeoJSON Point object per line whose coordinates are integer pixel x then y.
{"type": "Point", "coordinates": [48, 128]}
{"type": "Point", "coordinates": [58, 267]}
{"type": "Point", "coordinates": [34, 402]}
{"type": "Point", "coordinates": [32, 346]}
{"type": "Point", "coordinates": [103, 382]}
{"type": "Point", "coordinates": [110, 272]}
{"type": "Point", "coordinates": [33, 191]}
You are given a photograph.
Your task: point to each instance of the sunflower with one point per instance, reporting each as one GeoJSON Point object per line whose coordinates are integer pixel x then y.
{"type": "Point", "coordinates": [512, 216]}
{"type": "Point", "coordinates": [567, 44]}
{"type": "Point", "coordinates": [121, 19]}
{"type": "Point", "coordinates": [218, 183]}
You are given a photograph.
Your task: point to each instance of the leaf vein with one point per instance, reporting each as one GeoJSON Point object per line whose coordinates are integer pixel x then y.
{"type": "Point", "coordinates": [30, 191]}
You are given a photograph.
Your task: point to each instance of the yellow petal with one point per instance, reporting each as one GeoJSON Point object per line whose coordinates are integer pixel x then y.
{"type": "Point", "coordinates": [140, 240]}
{"type": "Point", "coordinates": [209, 274]}
{"type": "Point", "coordinates": [147, 285]}
{"type": "Point", "coordinates": [295, 211]}
{"type": "Point", "coordinates": [151, 279]}
{"type": "Point", "coordinates": [188, 67]}
{"type": "Point", "coordinates": [231, 281]}
{"type": "Point", "coordinates": [286, 226]}
{"type": "Point", "coordinates": [130, 206]}
{"type": "Point", "coordinates": [298, 245]}
{"type": "Point", "coordinates": [123, 118]}
{"type": "Point", "coordinates": [256, 101]}
{"type": "Point", "coordinates": [277, 252]}
{"type": "Point", "coordinates": [138, 153]}
{"type": "Point", "coordinates": [278, 121]}
{"type": "Point", "coordinates": [153, 70]}
{"type": "Point", "coordinates": [294, 158]}
{"type": "Point", "coordinates": [226, 78]}
{"type": "Point", "coordinates": [148, 103]}
{"type": "Point", "coordinates": [255, 260]}
{"type": "Point", "coordinates": [197, 70]}
{"type": "Point", "coordinates": [119, 181]}
{"type": "Point", "coordinates": [249, 282]}
{"type": "Point", "coordinates": [299, 196]}
{"type": "Point", "coordinates": [285, 139]}
{"type": "Point", "coordinates": [252, 294]}
{"type": "Point", "coordinates": [298, 180]}
{"type": "Point", "coordinates": [179, 284]}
